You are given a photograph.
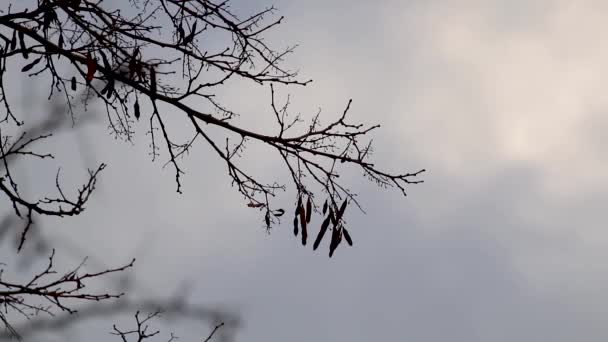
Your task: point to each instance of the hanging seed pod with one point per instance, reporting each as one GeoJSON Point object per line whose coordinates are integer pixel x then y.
{"type": "Point", "coordinates": [322, 232]}
{"type": "Point", "coordinates": [152, 81]}
{"type": "Point", "coordinates": [60, 41]}
{"type": "Point", "coordinates": [14, 41]}
{"type": "Point", "coordinates": [110, 88]}
{"type": "Point", "coordinates": [267, 219]}
{"type": "Point", "coordinates": [308, 210]}
{"type": "Point", "coordinates": [133, 63]}
{"type": "Point", "coordinates": [335, 240]}
{"type": "Point", "coordinates": [106, 64]}
{"type": "Point", "coordinates": [136, 108]}
{"type": "Point", "coordinates": [22, 45]}
{"type": "Point", "coordinates": [332, 216]}
{"type": "Point", "coordinates": [341, 211]}
{"type": "Point", "coordinates": [325, 207]}
{"type": "Point", "coordinates": [304, 236]}
{"type": "Point", "coordinates": [29, 66]}
{"type": "Point", "coordinates": [295, 226]}
{"type": "Point", "coordinates": [347, 236]}
{"type": "Point", "coordinates": [73, 83]}
{"type": "Point", "coordinates": [303, 225]}
{"type": "Point", "coordinates": [180, 33]}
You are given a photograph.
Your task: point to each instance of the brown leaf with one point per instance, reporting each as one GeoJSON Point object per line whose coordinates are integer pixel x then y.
{"type": "Point", "coordinates": [91, 68]}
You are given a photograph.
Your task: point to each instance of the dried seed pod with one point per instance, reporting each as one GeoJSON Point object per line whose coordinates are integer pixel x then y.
{"type": "Point", "coordinates": [73, 83]}
{"type": "Point", "coordinates": [332, 217]}
{"type": "Point", "coordinates": [304, 236]}
{"type": "Point", "coordinates": [180, 33]}
{"type": "Point", "coordinates": [347, 236]}
{"type": "Point", "coordinates": [152, 81]}
{"type": "Point", "coordinates": [110, 88]}
{"type": "Point", "coordinates": [267, 219]}
{"type": "Point", "coordinates": [295, 226]}
{"type": "Point", "coordinates": [60, 41]}
{"type": "Point", "coordinates": [322, 232]}
{"type": "Point", "coordinates": [14, 41]}
{"type": "Point", "coordinates": [325, 207]}
{"type": "Point", "coordinates": [106, 64]}
{"type": "Point", "coordinates": [341, 211]}
{"type": "Point", "coordinates": [303, 225]}
{"type": "Point", "coordinates": [22, 45]}
{"type": "Point", "coordinates": [336, 237]}
{"type": "Point", "coordinates": [29, 66]}
{"type": "Point", "coordinates": [308, 210]}
{"type": "Point", "coordinates": [136, 108]}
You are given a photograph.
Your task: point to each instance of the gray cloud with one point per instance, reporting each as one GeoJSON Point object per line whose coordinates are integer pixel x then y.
{"type": "Point", "coordinates": [503, 103]}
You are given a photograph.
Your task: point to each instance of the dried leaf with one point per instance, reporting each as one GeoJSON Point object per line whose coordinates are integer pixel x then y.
{"type": "Point", "coordinates": [255, 205]}
{"type": "Point", "coordinates": [91, 68]}
{"type": "Point", "coordinates": [29, 66]}
{"type": "Point", "coordinates": [322, 232]}
{"type": "Point", "coordinates": [325, 207]}
{"type": "Point", "coordinates": [295, 226]}
{"type": "Point", "coordinates": [73, 83]}
{"type": "Point", "coordinates": [279, 212]}
{"type": "Point", "coordinates": [347, 236]}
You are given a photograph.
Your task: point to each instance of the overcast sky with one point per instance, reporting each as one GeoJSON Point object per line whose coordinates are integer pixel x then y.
{"type": "Point", "coordinates": [504, 102]}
